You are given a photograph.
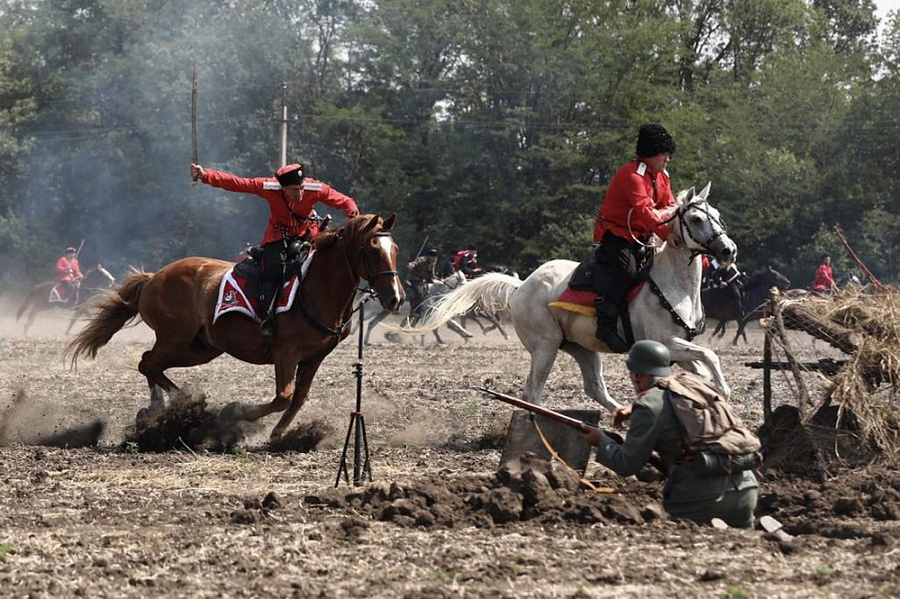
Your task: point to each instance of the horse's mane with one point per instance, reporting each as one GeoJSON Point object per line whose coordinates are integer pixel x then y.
{"type": "Point", "coordinates": [352, 228]}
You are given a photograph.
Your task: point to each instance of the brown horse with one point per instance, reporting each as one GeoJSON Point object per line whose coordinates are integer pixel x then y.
{"type": "Point", "coordinates": [178, 303]}
{"type": "Point", "coordinates": [96, 279]}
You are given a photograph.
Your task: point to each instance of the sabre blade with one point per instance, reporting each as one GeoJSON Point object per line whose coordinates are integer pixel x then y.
{"type": "Point", "coordinates": [195, 155]}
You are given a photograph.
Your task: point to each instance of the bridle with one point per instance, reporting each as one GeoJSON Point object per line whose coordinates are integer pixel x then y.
{"type": "Point", "coordinates": [684, 229]}
{"type": "Point", "coordinates": [337, 331]}
{"type": "Point", "coordinates": [379, 273]}
{"type": "Point", "coordinates": [718, 228]}
{"type": "Point", "coordinates": [717, 225]}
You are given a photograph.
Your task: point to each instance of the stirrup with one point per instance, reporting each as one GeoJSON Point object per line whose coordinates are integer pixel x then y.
{"type": "Point", "coordinates": [267, 328]}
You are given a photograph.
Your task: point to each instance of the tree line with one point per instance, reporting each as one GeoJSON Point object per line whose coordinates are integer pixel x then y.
{"type": "Point", "coordinates": [494, 123]}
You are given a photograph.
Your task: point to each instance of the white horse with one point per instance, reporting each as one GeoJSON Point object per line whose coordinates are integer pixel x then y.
{"type": "Point", "coordinates": [666, 309]}
{"type": "Point", "coordinates": [433, 292]}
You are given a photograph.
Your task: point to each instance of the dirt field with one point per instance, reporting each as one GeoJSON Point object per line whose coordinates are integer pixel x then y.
{"type": "Point", "coordinates": [113, 521]}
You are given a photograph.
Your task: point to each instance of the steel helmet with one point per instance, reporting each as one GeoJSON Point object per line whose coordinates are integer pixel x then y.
{"type": "Point", "coordinates": [649, 357]}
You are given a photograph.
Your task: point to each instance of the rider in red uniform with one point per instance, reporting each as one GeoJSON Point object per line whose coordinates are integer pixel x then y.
{"type": "Point", "coordinates": [637, 203]}
{"type": "Point", "coordinates": [69, 273]}
{"type": "Point", "coordinates": [291, 197]}
{"type": "Point", "coordinates": [824, 281]}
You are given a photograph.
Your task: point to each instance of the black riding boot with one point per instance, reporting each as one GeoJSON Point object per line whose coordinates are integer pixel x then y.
{"type": "Point", "coordinates": [607, 325]}
{"type": "Point", "coordinates": [268, 298]}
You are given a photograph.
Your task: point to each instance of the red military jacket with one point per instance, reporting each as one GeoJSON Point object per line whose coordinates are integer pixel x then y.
{"type": "Point", "coordinates": [68, 269]}
{"type": "Point", "coordinates": [284, 220]}
{"type": "Point", "coordinates": [824, 278]}
{"type": "Point", "coordinates": [632, 187]}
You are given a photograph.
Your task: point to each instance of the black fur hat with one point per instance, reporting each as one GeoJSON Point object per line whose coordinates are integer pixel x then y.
{"type": "Point", "coordinates": [290, 174]}
{"type": "Point", "coordinates": [653, 139]}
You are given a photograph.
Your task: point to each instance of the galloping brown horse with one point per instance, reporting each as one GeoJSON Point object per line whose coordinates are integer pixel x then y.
{"type": "Point", "coordinates": [178, 303]}
{"type": "Point", "coordinates": [96, 279]}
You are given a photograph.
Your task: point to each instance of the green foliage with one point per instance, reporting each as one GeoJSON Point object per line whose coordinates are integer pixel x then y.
{"type": "Point", "coordinates": [736, 592]}
{"type": "Point", "coordinates": [496, 123]}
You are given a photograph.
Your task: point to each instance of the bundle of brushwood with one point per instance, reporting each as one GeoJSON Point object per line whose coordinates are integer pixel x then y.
{"type": "Point", "coordinates": [862, 396]}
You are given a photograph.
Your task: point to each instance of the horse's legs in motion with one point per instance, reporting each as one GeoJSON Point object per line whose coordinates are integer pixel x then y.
{"type": "Point", "coordinates": [720, 329]}
{"type": "Point", "coordinates": [592, 375]}
{"type": "Point", "coordinates": [306, 371]}
{"type": "Point", "coordinates": [458, 329]}
{"type": "Point", "coordinates": [292, 383]}
{"type": "Point", "coordinates": [30, 321]}
{"type": "Point", "coordinates": [496, 324]}
{"type": "Point", "coordinates": [542, 358]}
{"type": "Point", "coordinates": [374, 323]}
{"type": "Point", "coordinates": [77, 313]}
{"type": "Point", "coordinates": [160, 358]}
{"type": "Point", "coordinates": [742, 324]}
{"type": "Point", "coordinates": [699, 360]}
{"type": "Point", "coordinates": [465, 318]}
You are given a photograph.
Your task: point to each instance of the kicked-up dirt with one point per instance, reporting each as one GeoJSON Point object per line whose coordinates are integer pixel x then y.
{"type": "Point", "coordinates": [94, 507]}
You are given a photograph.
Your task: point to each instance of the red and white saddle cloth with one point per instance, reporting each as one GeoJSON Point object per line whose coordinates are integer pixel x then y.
{"type": "Point", "coordinates": [232, 297]}
{"type": "Point", "coordinates": [59, 294]}
{"type": "Point", "coordinates": [584, 302]}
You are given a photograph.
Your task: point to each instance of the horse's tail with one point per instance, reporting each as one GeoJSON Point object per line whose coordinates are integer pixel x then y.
{"type": "Point", "coordinates": [113, 310]}
{"type": "Point", "coordinates": [490, 292]}
{"type": "Point", "coordinates": [29, 299]}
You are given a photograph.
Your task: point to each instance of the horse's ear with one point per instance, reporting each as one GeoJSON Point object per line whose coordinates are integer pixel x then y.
{"type": "Point", "coordinates": [705, 193]}
{"type": "Point", "coordinates": [372, 222]}
{"type": "Point", "coordinates": [685, 196]}
{"type": "Point", "coordinates": [389, 222]}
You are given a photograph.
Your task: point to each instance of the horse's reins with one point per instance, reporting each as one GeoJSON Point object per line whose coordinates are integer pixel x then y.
{"type": "Point", "coordinates": [337, 331]}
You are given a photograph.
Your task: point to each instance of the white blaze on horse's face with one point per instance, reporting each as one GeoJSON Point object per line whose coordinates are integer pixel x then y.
{"type": "Point", "coordinates": [390, 249]}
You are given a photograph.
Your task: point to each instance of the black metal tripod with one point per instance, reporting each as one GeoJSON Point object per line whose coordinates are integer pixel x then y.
{"type": "Point", "coordinates": [357, 422]}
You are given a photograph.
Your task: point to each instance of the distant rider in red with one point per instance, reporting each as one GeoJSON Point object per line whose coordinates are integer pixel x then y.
{"type": "Point", "coordinates": [69, 273]}
{"type": "Point", "coordinates": [824, 281]}
{"type": "Point", "coordinates": [291, 197]}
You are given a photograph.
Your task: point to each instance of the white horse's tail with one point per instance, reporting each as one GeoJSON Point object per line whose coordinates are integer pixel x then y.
{"type": "Point", "coordinates": [490, 292]}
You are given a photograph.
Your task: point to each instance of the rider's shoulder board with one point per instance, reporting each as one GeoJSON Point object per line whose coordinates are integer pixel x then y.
{"type": "Point", "coordinates": [271, 185]}
{"type": "Point", "coordinates": [312, 185]}
{"type": "Point", "coordinates": [642, 168]}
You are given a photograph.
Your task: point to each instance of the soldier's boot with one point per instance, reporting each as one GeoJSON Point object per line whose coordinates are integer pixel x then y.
{"type": "Point", "coordinates": [607, 326]}
{"type": "Point", "coordinates": [269, 298]}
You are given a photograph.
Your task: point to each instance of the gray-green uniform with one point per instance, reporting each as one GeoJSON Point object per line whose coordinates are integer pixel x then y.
{"type": "Point", "coordinates": [654, 426]}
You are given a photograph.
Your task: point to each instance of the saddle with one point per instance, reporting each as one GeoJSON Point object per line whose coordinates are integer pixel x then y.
{"type": "Point", "coordinates": [59, 294]}
{"type": "Point", "coordinates": [588, 281]}
{"type": "Point", "coordinates": [239, 289]}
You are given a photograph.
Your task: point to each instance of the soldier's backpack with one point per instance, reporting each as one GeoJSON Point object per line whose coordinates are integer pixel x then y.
{"type": "Point", "coordinates": [715, 439]}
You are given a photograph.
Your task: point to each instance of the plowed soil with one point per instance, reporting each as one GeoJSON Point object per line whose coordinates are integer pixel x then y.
{"type": "Point", "coordinates": [93, 508]}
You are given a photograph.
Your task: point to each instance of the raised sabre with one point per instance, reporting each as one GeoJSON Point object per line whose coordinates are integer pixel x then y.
{"type": "Point", "coordinates": [194, 153]}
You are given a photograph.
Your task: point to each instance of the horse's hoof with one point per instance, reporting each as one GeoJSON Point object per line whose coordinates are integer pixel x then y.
{"type": "Point", "coordinates": [146, 417]}
{"type": "Point", "coordinates": [142, 418]}
{"type": "Point", "coordinates": [232, 411]}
